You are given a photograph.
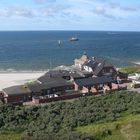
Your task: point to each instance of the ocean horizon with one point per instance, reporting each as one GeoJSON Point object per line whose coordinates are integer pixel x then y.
{"type": "Point", "coordinates": [39, 50]}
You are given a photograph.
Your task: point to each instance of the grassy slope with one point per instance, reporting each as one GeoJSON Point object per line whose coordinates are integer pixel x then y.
{"type": "Point", "coordinates": [125, 128]}
{"type": "Point", "coordinates": [8, 135]}
{"type": "Point", "coordinates": [130, 70]}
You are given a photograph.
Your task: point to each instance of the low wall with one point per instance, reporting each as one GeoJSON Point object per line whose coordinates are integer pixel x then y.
{"type": "Point", "coordinates": [63, 97]}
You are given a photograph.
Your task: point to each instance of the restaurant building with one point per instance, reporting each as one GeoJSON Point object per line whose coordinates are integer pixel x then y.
{"type": "Point", "coordinates": [93, 76]}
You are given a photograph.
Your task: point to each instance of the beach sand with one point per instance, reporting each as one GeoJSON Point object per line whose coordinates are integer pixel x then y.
{"type": "Point", "coordinates": [17, 78]}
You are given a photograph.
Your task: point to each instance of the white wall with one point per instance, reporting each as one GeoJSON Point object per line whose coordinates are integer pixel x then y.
{"type": "Point", "coordinates": [89, 69]}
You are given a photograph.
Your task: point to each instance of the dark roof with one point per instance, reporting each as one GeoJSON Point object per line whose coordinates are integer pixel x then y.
{"type": "Point", "coordinates": [122, 75]}
{"type": "Point", "coordinates": [76, 75]}
{"type": "Point", "coordinates": [102, 64]}
{"type": "Point", "coordinates": [57, 74]}
{"type": "Point", "coordinates": [93, 81]}
{"type": "Point", "coordinates": [16, 90]}
{"type": "Point", "coordinates": [36, 87]}
{"type": "Point", "coordinates": [50, 83]}
{"type": "Point", "coordinates": [56, 82]}
{"type": "Point", "coordinates": [97, 65]}
{"type": "Point", "coordinates": [91, 64]}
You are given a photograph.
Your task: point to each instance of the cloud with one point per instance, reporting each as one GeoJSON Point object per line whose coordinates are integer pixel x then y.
{"type": "Point", "coordinates": [4, 13]}
{"type": "Point", "coordinates": [78, 9]}
{"type": "Point", "coordinates": [114, 10]}
{"type": "Point", "coordinates": [44, 1]}
{"type": "Point", "coordinates": [21, 11]}
{"type": "Point", "coordinates": [114, 5]}
{"type": "Point", "coordinates": [17, 11]}
{"type": "Point", "coordinates": [52, 10]}
{"type": "Point", "coordinates": [102, 11]}
{"type": "Point", "coordinates": [123, 8]}
{"type": "Point", "coordinates": [130, 9]}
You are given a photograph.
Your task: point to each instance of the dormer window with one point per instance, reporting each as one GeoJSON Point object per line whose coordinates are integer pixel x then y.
{"type": "Point", "coordinates": [99, 64]}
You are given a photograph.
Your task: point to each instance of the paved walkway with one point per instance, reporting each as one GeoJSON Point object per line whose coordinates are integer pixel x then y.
{"type": "Point", "coordinates": [129, 88]}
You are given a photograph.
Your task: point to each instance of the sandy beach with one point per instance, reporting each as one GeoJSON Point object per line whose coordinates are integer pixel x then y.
{"type": "Point", "coordinates": [16, 78]}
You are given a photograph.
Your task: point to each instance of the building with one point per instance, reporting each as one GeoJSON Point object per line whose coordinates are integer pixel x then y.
{"type": "Point", "coordinates": [79, 62]}
{"type": "Point", "coordinates": [53, 84]}
{"type": "Point", "coordinates": [64, 74]}
{"type": "Point", "coordinates": [91, 75]}
{"type": "Point", "coordinates": [52, 87]}
{"type": "Point", "coordinates": [123, 77]}
{"type": "Point", "coordinates": [95, 84]}
{"type": "Point", "coordinates": [89, 66]}
{"type": "Point", "coordinates": [16, 94]}
{"type": "Point", "coordinates": [98, 67]}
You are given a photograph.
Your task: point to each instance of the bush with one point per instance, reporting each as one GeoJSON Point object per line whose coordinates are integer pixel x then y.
{"type": "Point", "coordinates": [61, 118]}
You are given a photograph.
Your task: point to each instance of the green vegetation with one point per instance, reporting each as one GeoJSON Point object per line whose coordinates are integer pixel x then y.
{"type": "Point", "coordinates": [58, 121]}
{"type": "Point", "coordinates": [125, 128]}
{"type": "Point", "coordinates": [130, 70]}
{"type": "Point", "coordinates": [10, 135]}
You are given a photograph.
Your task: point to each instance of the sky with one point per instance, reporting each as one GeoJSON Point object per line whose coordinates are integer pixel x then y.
{"type": "Point", "coordinates": [115, 15]}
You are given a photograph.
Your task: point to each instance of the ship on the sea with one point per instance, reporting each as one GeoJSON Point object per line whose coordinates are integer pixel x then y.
{"type": "Point", "coordinates": [74, 39]}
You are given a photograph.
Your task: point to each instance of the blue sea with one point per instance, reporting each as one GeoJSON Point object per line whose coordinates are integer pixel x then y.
{"type": "Point", "coordinates": [39, 50]}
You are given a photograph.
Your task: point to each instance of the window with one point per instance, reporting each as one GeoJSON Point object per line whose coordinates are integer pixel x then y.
{"type": "Point", "coordinates": [101, 85]}
{"type": "Point", "coordinates": [53, 89]}
{"type": "Point", "coordinates": [24, 98]}
{"type": "Point", "coordinates": [111, 70]}
{"type": "Point", "coordinates": [48, 91]}
{"type": "Point", "coordinates": [103, 71]}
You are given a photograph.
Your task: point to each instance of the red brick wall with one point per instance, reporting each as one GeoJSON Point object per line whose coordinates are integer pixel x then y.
{"type": "Point", "coordinates": [12, 99]}
{"type": "Point", "coordinates": [15, 98]}
{"type": "Point", "coordinates": [115, 86]}
{"type": "Point", "coordinates": [93, 90]}
{"type": "Point", "coordinates": [64, 97]}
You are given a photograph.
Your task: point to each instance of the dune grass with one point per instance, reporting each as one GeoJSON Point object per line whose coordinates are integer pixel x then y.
{"type": "Point", "coordinates": [10, 135]}
{"type": "Point", "coordinates": [125, 128]}
{"type": "Point", "coordinates": [130, 70]}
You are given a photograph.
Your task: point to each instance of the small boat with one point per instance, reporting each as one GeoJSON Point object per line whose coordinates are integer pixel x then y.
{"type": "Point", "coordinates": [74, 39]}
{"type": "Point", "coordinates": [59, 42]}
